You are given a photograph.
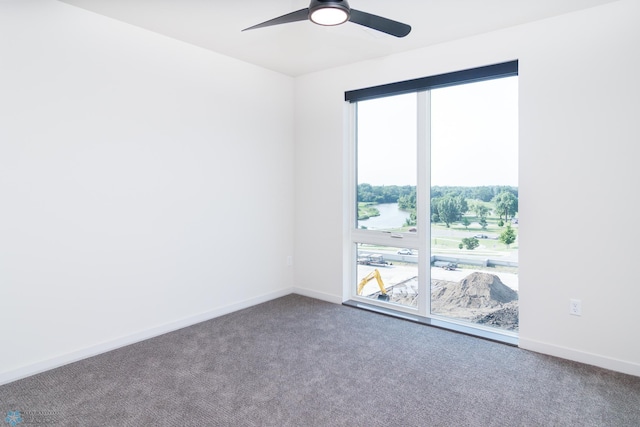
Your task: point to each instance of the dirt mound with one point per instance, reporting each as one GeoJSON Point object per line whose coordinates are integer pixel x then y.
{"type": "Point", "coordinates": [505, 318]}
{"type": "Point", "coordinates": [477, 290]}
{"type": "Point", "coordinates": [479, 298]}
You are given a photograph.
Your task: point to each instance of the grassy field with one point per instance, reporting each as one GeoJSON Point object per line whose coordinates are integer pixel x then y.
{"type": "Point", "coordinates": [492, 229]}
{"type": "Point", "coordinates": [450, 243]}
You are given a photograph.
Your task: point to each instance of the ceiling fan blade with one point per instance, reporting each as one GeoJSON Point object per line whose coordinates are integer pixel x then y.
{"type": "Point", "coordinates": [379, 23]}
{"type": "Point", "coordinates": [298, 15]}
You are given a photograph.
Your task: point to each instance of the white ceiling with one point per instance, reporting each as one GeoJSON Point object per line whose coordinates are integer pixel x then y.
{"type": "Point", "coordinates": [302, 47]}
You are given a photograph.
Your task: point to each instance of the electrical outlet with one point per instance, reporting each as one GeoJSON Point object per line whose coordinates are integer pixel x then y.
{"type": "Point", "coordinates": [289, 261]}
{"type": "Point", "coordinates": [575, 307]}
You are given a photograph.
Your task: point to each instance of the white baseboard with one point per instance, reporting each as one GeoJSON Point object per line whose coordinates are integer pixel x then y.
{"type": "Point", "coordinates": [55, 362]}
{"type": "Point", "coordinates": [605, 362]}
{"type": "Point", "coordinates": [318, 295]}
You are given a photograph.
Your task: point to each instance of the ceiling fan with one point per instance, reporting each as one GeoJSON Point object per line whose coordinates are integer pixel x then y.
{"type": "Point", "coordinates": [336, 12]}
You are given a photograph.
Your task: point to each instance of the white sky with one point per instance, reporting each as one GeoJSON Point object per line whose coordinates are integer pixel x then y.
{"type": "Point", "coordinates": [474, 136]}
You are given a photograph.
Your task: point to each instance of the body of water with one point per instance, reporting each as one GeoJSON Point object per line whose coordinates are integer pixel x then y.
{"type": "Point", "coordinates": [390, 218]}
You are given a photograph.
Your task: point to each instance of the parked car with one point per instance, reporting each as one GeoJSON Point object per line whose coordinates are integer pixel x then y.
{"type": "Point", "coordinates": [405, 252]}
{"type": "Point", "coordinates": [446, 265]}
{"type": "Point", "coordinates": [372, 259]}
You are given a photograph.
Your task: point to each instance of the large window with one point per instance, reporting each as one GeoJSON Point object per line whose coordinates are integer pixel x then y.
{"type": "Point", "coordinates": [435, 199]}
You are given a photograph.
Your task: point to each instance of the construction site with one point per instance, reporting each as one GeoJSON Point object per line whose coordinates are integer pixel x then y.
{"type": "Point", "coordinates": [487, 296]}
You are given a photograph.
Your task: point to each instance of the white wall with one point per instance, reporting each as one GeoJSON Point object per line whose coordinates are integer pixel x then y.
{"type": "Point", "coordinates": [145, 184]}
{"type": "Point", "coordinates": [579, 110]}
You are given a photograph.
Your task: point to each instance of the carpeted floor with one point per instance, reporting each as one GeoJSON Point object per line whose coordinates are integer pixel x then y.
{"type": "Point", "coordinates": [296, 361]}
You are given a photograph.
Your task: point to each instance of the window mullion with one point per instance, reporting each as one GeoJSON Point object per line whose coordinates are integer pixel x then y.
{"type": "Point", "coordinates": [422, 201]}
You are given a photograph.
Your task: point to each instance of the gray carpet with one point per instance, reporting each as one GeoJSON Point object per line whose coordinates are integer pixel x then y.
{"type": "Point", "coordinates": [296, 361]}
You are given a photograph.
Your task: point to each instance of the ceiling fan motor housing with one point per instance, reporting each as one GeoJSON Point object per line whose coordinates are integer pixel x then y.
{"type": "Point", "coordinates": [329, 12]}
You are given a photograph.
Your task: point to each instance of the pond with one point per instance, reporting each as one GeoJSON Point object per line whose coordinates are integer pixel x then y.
{"type": "Point", "coordinates": [391, 218]}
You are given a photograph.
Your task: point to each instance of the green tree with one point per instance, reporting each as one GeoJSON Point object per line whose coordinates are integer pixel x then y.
{"type": "Point", "coordinates": [383, 193]}
{"type": "Point", "coordinates": [434, 209]}
{"type": "Point", "coordinates": [470, 243]}
{"type": "Point", "coordinates": [484, 194]}
{"type": "Point", "coordinates": [447, 210]}
{"type": "Point", "coordinates": [412, 220]}
{"type": "Point", "coordinates": [461, 205]}
{"type": "Point", "coordinates": [508, 236]}
{"type": "Point", "coordinates": [366, 193]}
{"type": "Point", "coordinates": [506, 204]}
{"type": "Point", "coordinates": [481, 211]}
{"type": "Point", "coordinates": [466, 222]}
{"type": "Point", "coordinates": [407, 202]}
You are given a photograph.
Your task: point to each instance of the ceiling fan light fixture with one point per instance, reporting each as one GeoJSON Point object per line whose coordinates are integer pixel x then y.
{"type": "Point", "coordinates": [336, 12]}
{"type": "Point", "coordinates": [329, 13]}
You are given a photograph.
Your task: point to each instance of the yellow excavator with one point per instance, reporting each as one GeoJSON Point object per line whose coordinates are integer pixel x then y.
{"type": "Point", "coordinates": [375, 274]}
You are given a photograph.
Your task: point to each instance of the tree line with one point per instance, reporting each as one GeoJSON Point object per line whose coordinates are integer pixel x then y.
{"type": "Point", "coordinates": [448, 204]}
